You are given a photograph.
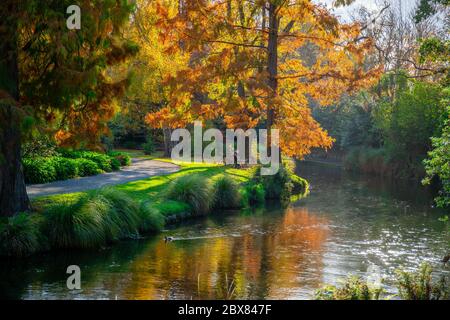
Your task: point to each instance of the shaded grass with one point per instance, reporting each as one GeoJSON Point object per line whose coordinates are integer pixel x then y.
{"type": "Point", "coordinates": [20, 236]}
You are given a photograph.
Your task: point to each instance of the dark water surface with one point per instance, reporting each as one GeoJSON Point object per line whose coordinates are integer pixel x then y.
{"type": "Point", "coordinates": [346, 225]}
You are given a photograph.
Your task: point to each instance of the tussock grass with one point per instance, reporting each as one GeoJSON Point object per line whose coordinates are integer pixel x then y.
{"type": "Point", "coordinates": [123, 212]}
{"type": "Point", "coordinates": [194, 190]}
{"type": "Point", "coordinates": [226, 193]}
{"type": "Point", "coordinates": [76, 225]}
{"type": "Point", "coordinates": [152, 219]}
{"type": "Point", "coordinates": [20, 236]}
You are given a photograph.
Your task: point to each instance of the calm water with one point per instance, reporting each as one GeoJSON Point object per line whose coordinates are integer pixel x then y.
{"type": "Point", "coordinates": [346, 225]}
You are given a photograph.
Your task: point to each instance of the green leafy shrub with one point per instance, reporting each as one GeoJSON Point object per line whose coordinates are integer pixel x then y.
{"type": "Point", "coordinates": [354, 288]}
{"type": "Point", "coordinates": [300, 185]}
{"type": "Point", "coordinates": [39, 170]}
{"type": "Point", "coordinates": [87, 167]}
{"type": "Point", "coordinates": [149, 146]}
{"type": "Point", "coordinates": [124, 158]}
{"type": "Point", "coordinates": [193, 190]}
{"type": "Point", "coordinates": [253, 194]}
{"type": "Point", "coordinates": [65, 168]}
{"type": "Point", "coordinates": [420, 286]}
{"type": "Point", "coordinates": [20, 236]}
{"type": "Point", "coordinates": [281, 185]}
{"type": "Point", "coordinates": [115, 164]}
{"type": "Point", "coordinates": [102, 160]}
{"type": "Point", "coordinates": [226, 193]}
{"type": "Point", "coordinates": [152, 219]}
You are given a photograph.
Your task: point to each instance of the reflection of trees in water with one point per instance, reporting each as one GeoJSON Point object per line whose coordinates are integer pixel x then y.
{"type": "Point", "coordinates": [267, 262]}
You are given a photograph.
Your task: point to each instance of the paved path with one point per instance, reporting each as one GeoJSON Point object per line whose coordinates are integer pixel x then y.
{"type": "Point", "coordinates": [138, 170]}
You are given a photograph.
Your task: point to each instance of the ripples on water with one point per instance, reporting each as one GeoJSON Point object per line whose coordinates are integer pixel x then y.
{"type": "Point", "coordinates": [345, 226]}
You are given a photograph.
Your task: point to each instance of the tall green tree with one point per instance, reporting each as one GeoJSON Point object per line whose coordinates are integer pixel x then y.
{"type": "Point", "coordinates": [54, 77]}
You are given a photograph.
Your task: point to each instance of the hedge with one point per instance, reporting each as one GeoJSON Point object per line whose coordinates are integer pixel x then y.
{"type": "Point", "coordinates": [70, 164]}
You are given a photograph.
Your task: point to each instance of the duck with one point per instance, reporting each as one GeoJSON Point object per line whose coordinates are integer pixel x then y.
{"type": "Point", "coordinates": [446, 259]}
{"type": "Point", "coordinates": [168, 239]}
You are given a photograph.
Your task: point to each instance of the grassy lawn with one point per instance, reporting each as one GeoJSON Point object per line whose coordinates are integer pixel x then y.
{"type": "Point", "coordinates": [152, 189]}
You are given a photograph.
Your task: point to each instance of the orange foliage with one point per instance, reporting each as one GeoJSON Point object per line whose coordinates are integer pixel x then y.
{"type": "Point", "coordinates": [227, 76]}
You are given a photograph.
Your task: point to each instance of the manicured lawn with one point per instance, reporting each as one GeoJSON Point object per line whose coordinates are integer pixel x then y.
{"type": "Point", "coordinates": [152, 189]}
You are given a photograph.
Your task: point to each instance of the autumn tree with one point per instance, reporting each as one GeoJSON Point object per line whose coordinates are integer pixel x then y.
{"type": "Point", "coordinates": [261, 63]}
{"type": "Point", "coordinates": [55, 78]}
{"type": "Point", "coordinates": [147, 92]}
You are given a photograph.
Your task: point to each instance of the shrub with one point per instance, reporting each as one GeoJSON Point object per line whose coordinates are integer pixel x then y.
{"type": "Point", "coordinates": [115, 164]}
{"type": "Point", "coordinates": [122, 157]}
{"type": "Point", "coordinates": [226, 193]}
{"type": "Point", "coordinates": [102, 160]}
{"type": "Point", "coordinates": [281, 185]}
{"type": "Point", "coordinates": [253, 194]}
{"type": "Point", "coordinates": [419, 285]}
{"type": "Point", "coordinates": [300, 185]}
{"type": "Point", "coordinates": [65, 168]}
{"type": "Point", "coordinates": [152, 219]}
{"type": "Point", "coordinates": [20, 236]}
{"type": "Point", "coordinates": [149, 146]}
{"type": "Point", "coordinates": [39, 170]}
{"type": "Point", "coordinates": [193, 190]}
{"type": "Point", "coordinates": [87, 167]}
{"type": "Point", "coordinates": [354, 288]}
{"type": "Point", "coordinates": [76, 225]}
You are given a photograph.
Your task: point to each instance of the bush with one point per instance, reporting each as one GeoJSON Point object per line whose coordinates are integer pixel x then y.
{"type": "Point", "coordinates": [152, 219]}
{"type": "Point", "coordinates": [226, 193]}
{"type": "Point", "coordinates": [39, 170]}
{"type": "Point", "coordinates": [420, 286]}
{"type": "Point", "coordinates": [122, 157]}
{"type": "Point", "coordinates": [102, 160]}
{"type": "Point", "coordinates": [87, 167]}
{"type": "Point", "coordinates": [281, 185]}
{"type": "Point", "coordinates": [115, 164]}
{"type": "Point", "coordinates": [253, 194]}
{"type": "Point", "coordinates": [20, 236]}
{"type": "Point", "coordinates": [300, 185]}
{"type": "Point", "coordinates": [65, 168]}
{"type": "Point", "coordinates": [149, 146]}
{"type": "Point", "coordinates": [193, 190]}
{"type": "Point", "coordinates": [354, 288]}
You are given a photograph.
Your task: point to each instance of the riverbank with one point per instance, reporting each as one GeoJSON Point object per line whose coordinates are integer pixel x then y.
{"type": "Point", "coordinates": [94, 219]}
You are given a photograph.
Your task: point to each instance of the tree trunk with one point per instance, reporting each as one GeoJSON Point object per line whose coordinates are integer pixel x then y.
{"type": "Point", "coordinates": [272, 63]}
{"type": "Point", "coordinates": [167, 142]}
{"type": "Point", "coordinates": [272, 66]}
{"type": "Point", "coordinates": [13, 194]}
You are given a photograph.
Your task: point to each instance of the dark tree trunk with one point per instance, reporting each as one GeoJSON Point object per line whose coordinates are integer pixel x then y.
{"type": "Point", "coordinates": [13, 195]}
{"type": "Point", "coordinates": [167, 142]}
{"type": "Point", "coordinates": [272, 66]}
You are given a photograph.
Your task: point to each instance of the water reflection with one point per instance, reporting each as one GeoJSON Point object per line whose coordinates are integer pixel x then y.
{"type": "Point", "coordinates": [346, 225]}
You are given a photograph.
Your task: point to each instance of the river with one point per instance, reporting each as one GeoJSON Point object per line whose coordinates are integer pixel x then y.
{"type": "Point", "coordinates": [347, 225]}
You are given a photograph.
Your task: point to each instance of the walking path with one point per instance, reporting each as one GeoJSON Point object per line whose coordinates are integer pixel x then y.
{"type": "Point", "coordinates": [138, 170]}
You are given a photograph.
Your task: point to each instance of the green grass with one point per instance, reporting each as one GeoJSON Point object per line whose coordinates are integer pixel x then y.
{"type": "Point", "coordinates": [20, 236]}
{"type": "Point", "coordinates": [93, 219]}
